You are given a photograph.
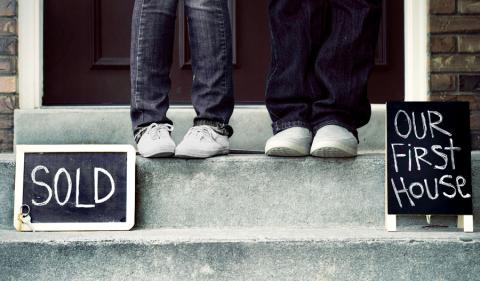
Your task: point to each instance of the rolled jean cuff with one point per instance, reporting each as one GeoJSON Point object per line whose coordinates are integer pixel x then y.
{"type": "Point", "coordinates": [350, 128]}
{"type": "Point", "coordinates": [137, 128]}
{"type": "Point", "coordinates": [219, 127]}
{"type": "Point", "coordinates": [283, 125]}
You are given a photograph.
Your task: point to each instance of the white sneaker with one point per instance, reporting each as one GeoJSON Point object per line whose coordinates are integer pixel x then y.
{"type": "Point", "coordinates": [294, 141]}
{"type": "Point", "coordinates": [155, 141]}
{"type": "Point", "coordinates": [202, 142]}
{"type": "Point", "coordinates": [334, 141]}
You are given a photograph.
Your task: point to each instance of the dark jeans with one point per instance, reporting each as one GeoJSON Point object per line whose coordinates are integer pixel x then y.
{"type": "Point", "coordinates": [322, 54]}
{"type": "Point", "coordinates": [153, 33]}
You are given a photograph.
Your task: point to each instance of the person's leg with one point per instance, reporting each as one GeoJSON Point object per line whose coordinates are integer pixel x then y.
{"type": "Point", "coordinates": [287, 97]}
{"type": "Point", "coordinates": [153, 29]}
{"type": "Point", "coordinates": [212, 90]}
{"type": "Point", "coordinates": [288, 93]}
{"type": "Point", "coordinates": [343, 64]}
{"type": "Point", "coordinates": [210, 37]}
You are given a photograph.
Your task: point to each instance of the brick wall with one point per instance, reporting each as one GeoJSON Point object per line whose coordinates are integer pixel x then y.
{"type": "Point", "coordinates": [8, 70]}
{"type": "Point", "coordinates": [455, 55]}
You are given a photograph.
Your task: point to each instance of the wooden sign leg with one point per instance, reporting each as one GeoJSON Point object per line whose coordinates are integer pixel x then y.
{"type": "Point", "coordinates": [391, 222]}
{"type": "Point", "coordinates": [459, 221]}
{"type": "Point", "coordinates": [465, 222]}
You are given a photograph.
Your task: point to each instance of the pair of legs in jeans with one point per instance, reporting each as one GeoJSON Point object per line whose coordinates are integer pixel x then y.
{"type": "Point", "coordinates": [153, 31]}
{"type": "Point", "coordinates": [322, 55]}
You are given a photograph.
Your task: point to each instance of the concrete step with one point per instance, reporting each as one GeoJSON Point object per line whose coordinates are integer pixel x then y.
{"type": "Point", "coordinates": [241, 254]}
{"type": "Point", "coordinates": [255, 190]}
{"type": "Point", "coordinates": [105, 125]}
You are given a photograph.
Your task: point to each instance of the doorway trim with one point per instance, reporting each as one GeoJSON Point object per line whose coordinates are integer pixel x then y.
{"type": "Point", "coordinates": [30, 52]}
{"type": "Point", "coordinates": [416, 50]}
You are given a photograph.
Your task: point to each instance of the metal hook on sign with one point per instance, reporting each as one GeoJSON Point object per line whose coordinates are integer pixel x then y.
{"type": "Point", "coordinates": [27, 212]}
{"type": "Point", "coordinates": [24, 217]}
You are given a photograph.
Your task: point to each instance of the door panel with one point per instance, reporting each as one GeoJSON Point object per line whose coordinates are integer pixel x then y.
{"type": "Point", "coordinates": [387, 80]}
{"type": "Point", "coordinates": [86, 49]}
{"type": "Point", "coordinates": [110, 47]}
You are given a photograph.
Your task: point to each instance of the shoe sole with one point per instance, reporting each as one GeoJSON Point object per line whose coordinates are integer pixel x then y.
{"type": "Point", "coordinates": [199, 155]}
{"type": "Point", "coordinates": [163, 152]}
{"type": "Point", "coordinates": [333, 150]}
{"type": "Point", "coordinates": [159, 155]}
{"type": "Point", "coordinates": [286, 149]}
{"type": "Point", "coordinates": [284, 152]}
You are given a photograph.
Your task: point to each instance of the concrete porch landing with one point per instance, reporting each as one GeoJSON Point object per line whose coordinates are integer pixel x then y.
{"type": "Point", "coordinates": [105, 125]}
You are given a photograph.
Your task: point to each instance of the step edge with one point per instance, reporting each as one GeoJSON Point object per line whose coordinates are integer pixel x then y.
{"type": "Point", "coordinates": [475, 155]}
{"type": "Point", "coordinates": [241, 235]}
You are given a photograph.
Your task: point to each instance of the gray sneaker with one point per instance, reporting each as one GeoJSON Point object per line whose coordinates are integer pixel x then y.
{"type": "Point", "coordinates": [292, 142]}
{"type": "Point", "coordinates": [202, 142]}
{"type": "Point", "coordinates": [334, 141]}
{"type": "Point", "coordinates": [155, 141]}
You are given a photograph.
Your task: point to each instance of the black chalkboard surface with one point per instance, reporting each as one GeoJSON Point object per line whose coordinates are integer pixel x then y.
{"type": "Point", "coordinates": [428, 158]}
{"type": "Point", "coordinates": [84, 187]}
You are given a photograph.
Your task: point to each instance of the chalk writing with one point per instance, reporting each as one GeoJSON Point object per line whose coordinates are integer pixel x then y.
{"type": "Point", "coordinates": [56, 180]}
{"type": "Point", "coordinates": [425, 143]}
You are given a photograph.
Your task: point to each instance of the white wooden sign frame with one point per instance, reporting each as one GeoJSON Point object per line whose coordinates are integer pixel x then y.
{"type": "Point", "coordinates": [464, 222]}
{"type": "Point", "coordinates": [21, 150]}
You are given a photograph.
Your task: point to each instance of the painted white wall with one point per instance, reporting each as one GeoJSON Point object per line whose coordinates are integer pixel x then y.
{"type": "Point", "coordinates": [30, 61]}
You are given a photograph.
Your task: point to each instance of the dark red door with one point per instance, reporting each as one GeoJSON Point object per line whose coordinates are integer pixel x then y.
{"type": "Point", "coordinates": [86, 47]}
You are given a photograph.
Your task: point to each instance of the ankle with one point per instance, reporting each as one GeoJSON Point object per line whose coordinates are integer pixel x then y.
{"type": "Point", "coordinates": [219, 127]}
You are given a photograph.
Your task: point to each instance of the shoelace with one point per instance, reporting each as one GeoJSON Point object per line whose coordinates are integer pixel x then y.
{"type": "Point", "coordinates": [201, 132]}
{"type": "Point", "coordinates": [154, 130]}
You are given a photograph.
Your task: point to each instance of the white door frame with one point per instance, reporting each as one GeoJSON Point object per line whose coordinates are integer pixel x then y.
{"type": "Point", "coordinates": [30, 51]}
{"type": "Point", "coordinates": [416, 50]}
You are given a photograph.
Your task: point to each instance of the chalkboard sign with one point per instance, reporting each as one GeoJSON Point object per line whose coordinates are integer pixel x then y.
{"type": "Point", "coordinates": [74, 187]}
{"type": "Point", "coordinates": [428, 158]}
